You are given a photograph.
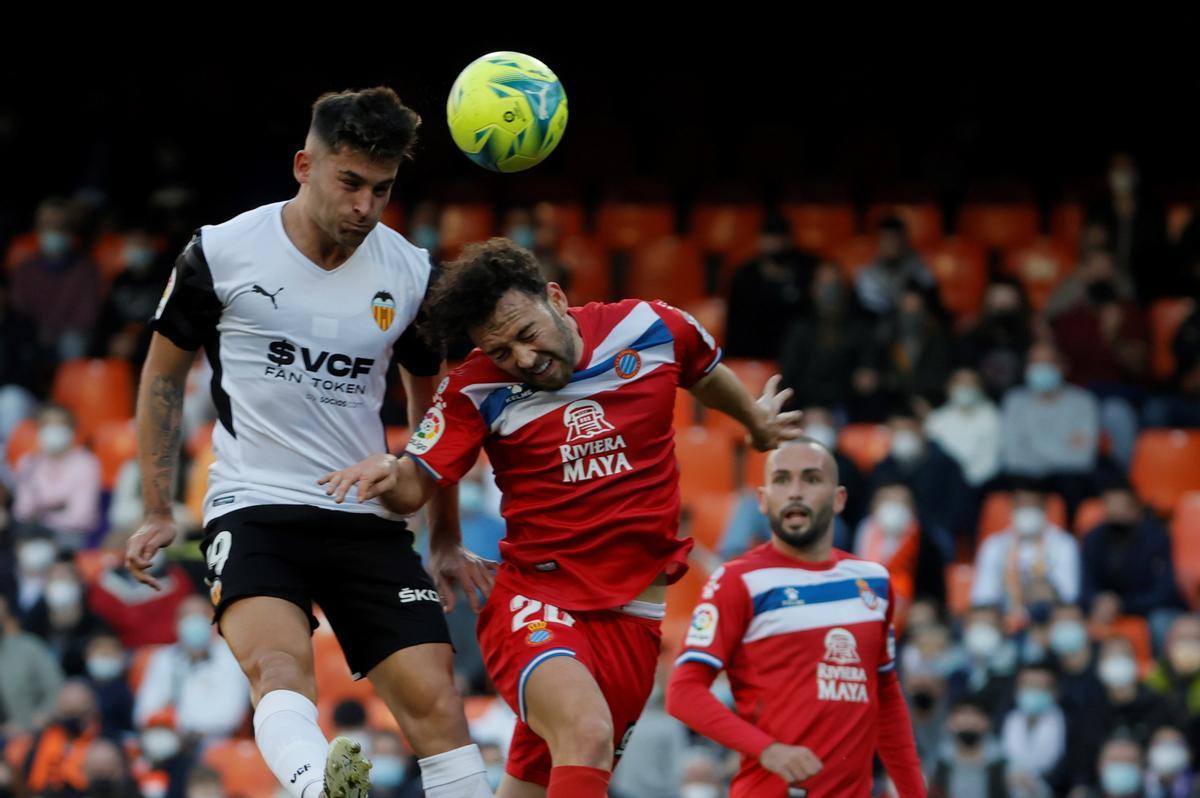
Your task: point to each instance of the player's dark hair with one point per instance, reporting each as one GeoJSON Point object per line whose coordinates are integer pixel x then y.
{"type": "Point", "coordinates": [372, 121]}
{"type": "Point", "coordinates": [465, 292]}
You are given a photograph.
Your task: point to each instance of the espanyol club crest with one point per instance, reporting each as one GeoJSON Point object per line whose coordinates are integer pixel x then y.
{"type": "Point", "coordinates": [627, 363]}
{"type": "Point", "coordinates": [383, 308]}
{"type": "Point", "coordinates": [867, 594]}
{"type": "Point", "coordinates": [538, 634]}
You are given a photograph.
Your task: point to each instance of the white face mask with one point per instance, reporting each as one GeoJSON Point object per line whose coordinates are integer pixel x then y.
{"type": "Point", "coordinates": [1118, 672]}
{"type": "Point", "coordinates": [1167, 759]}
{"type": "Point", "coordinates": [159, 744]}
{"type": "Point", "coordinates": [1029, 521]}
{"type": "Point", "coordinates": [104, 668]}
{"type": "Point", "coordinates": [822, 434]}
{"type": "Point", "coordinates": [906, 445]}
{"type": "Point", "coordinates": [699, 791]}
{"type": "Point", "coordinates": [36, 556]}
{"type": "Point", "coordinates": [55, 438]}
{"type": "Point", "coordinates": [965, 396]}
{"type": "Point", "coordinates": [982, 640]}
{"type": "Point", "coordinates": [893, 517]}
{"type": "Point", "coordinates": [63, 594]}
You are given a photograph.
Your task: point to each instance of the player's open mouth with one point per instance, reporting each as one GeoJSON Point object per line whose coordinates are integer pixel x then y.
{"type": "Point", "coordinates": [540, 370]}
{"type": "Point", "coordinates": [795, 515]}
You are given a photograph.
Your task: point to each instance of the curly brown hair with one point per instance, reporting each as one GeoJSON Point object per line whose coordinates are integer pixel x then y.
{"type": "Point", "coordinates": [372, 121]}
{"type": "Point", "coordinates": [465, 292]}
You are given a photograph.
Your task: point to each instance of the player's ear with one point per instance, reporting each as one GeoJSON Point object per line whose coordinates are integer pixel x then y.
{"type": "Point", "coordinates": [762, 499]}
{"type": "Point", "coordinates": [839, 499]}
{"type": "Point", "coordinates": [557, 298]}
{"type": "Point", "coordinates": [302, 166]}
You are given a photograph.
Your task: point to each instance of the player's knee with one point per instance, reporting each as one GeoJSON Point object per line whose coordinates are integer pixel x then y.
{"type": "Point", "coordinates": [277, 670]}
{"type": "Point", "coordinates": [585, 739]}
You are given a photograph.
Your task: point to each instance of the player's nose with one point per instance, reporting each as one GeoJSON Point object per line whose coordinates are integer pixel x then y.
{"type": "Point", "coordinates": [525, 356]}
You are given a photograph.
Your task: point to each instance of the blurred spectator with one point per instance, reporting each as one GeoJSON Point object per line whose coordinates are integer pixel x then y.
{"type": "Point", "coordinates": [1032, 549]}
{"type": "Point", "coordinates": [1180, 407]}
{"type": "Point", "coordinates": [915, 348]}
{"type": "Point", "coordinates": [204, 782]}
{"type": "Point", "coordinates": [350, 720]}
{"type": "Point", "coordinates": [106, 672]}
{"type": "Point", "coordinates": [107, 772]}
{"type": "Point", "coordinates": [880, 285]}
{"type": "Point", "coordinates": [197, 676]}
{"type": "Point", "coordinates": [165, 758]}
{"type": "Point", "coordinates": [967, 428]}
{"type": "Point", "coordinates": [1094, 282]}
{"type": "Point", "coordinates": [1119, 767]}
{"type": "Point", "coordinates": [988, 671]}
{"type": "Point", "coordinates": [893, 536]}
{"type": "Point", "coordinates": [542, 237]}
{"type": "Point", "coordinates": [126, 510]}
{"type": "Point", "coordinates": [928, 704]}
{"type": "Point", "coordinates": [62, 618]}
{"type": "Point", "coordinates": [1136, 228]}
{"type": "Point", "coordinates": [139, 614]}
{"type": "Point", "coordinates": [1074, 655]}
{"type": "Point", "coordinates": [701, 775]}
{"type": "Point", "coordinates": [35, 556]}
{"type": "Point", "coordinates": [1034, 733]}
{"type": "Point", "coordinates": [58, 288]}
{"type": "Point", "coordinates": [822, 349]}
{"type": "Point", "coordinates": [652, 763]}
{"type": "Point", "coordinates": [8, 551]}
{"type": "Point", "coordinates": [942, 497]}
{"type": "Point", "coordinates": [1129, 707]}
{"type": "Point", "coordinates": [927, 648]}
{"type": "Point", "coordinates": [23, 368]}
{"type": "Point", "coordinates": [58, 760]}
{"type": "Point", "coordinates": [58, 487]}
{"type": "Point", "coordinates": [768, 294]}
{"type": "Point", "coordinates": [424, 228]}
{"type": "Point", "coordinates": [971, 764]}
{"type": "Point", "coordinates": [121, 330]}
{"type": "Point", "coordinates": [1050, 429]}
{"type": "Point", "coordinates": [1126, 565]}
{"type": "Point", "coordinates": [997, 343]}
{"type": "Point", "coordinates": [1169, 766]}
{"type": "Point", "coordinates": [29, 676]}
{"type": "Point", "coordinates": [394, 772]}
{"type": "Point", "coordinates": [1176, 676]}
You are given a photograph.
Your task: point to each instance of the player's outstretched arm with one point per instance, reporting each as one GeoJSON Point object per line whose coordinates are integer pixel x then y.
{"type": "Point", "coordinates": [399, 483]}
{"type": "Point", "coordinates": [159, 427]}
{"type": "Point", "coordinates": [765, 423]}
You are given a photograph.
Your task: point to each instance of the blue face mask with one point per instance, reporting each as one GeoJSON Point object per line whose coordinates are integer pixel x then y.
{"type": "Point", "coordinates": [138, 259]}
{"type": "Point", "coordinates": [1067, 637]}
{"type": "Point", "coordinates": [195, 631]}
{"type": "Point", "coordinates": [1043, 377]}
{"type": "Point", "coordinates": [1121, 778]}
{"type": "Point", "coordinates": [523, 236]}
{"type": "Point", "coordinates": [1034, 701]}
{"type": "Point", "coordinates": [54, 243]}
{"type": "Point", "coordinates": [387, 771]}
{"type": "Point", "coordinates": [426, 237]}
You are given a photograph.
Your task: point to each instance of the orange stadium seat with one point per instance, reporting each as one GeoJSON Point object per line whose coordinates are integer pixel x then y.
{"type": "Point", "coordinates": [820, 228]}
{"type": "Point", "coordinates": [20, 247]}
{"type": "Point", "coordinates": [711, 313]}
{"type": "Point", "coordinates": [566, 217]}
{"type": "Point", "coordinates": [685, 411]}
{"type": "Point", "coordinates": [626, 225]}
{"type": "Point", "coordinates": [753, 373]}
{"type": "Point", "coordinates": [393, 217]}
{"type": "Point", "coordinates": [1089, 515]}
{"type": "Point", "coordinates": [705, 463]}
{"type": "Point", "coordinates": [731, 230]}
{"type": "Point", "coordinates": [590, 268]}
{"type": "Point", "coordinates": [996, 514]}
{"type": "Point", "coordinates": [960, 267]}
{"type": "Point", "coordinates": [865, 444]}
{"type": "Point", "coordinates": [668, 268]}
{"type": "Point", "coordinates": [1166, 465]}
{"type": "Point", "coordinates": [754, 464]}
{"type": "Point", "coordinates": [1185, 547]}
{"type": "Point", "coordinates": [923, 220]}
{"type": "Point", "coordinates": [709, 514]}
{"type": "Point", "coordinates": [463, 224]}
{"type": "Point", "coordinates": [114, 444]}
{"type": "Point", "coordinates": [1040, 266]}
{"type": "Point", "coordinates": [21, 441]}
{"type": "Point", "coordinates": [1001, 225]}
{"type": "Point", "coordinates": [1066, 223]}
{"type": "Point", "coordinates": [243, 771]}
{"type": "Point", "coordinates": [95, 390]}
{"type": "Point", "coordinates": [1166, 315]}
{"type": "Point", "coordinates": [108, 253]}
{"type": "Point", "coordinates": [334, 680]}
{"type": "Point", "coordinates": [854, 253]}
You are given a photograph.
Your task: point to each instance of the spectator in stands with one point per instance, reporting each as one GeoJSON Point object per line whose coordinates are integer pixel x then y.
{"type": "Point", "coordinates": [1031, 549]}
{"type": "Point", "coordinates": [57, 761]}
{"type": "Point", "coordinates": [139, 614]}
{"type": "Point", "coordinates": [768, 294]}
{"type": "Point", "coordinates": [893, 535]}
{"type": "Point", "coordinates": [1126, 565]}
{"type": "Point", "coordinates": [107, 772]}
{"type": "Point", "coordinates": [29, 676]}
{"type": "Point", "coordinates": [1136, 226]}
{"type": "Point", "coordinates": [23, 373]}
{"type": "Point", "coordinates": [1129, 707]}
{"type": "Point", "coordinates": [1176, 676]}
{"type": "Point", "coordinates": [1095, 281]}
{"type": "Point", "coordinates": [973, 765]}
{"type": "Point", "coordinates": [652, 764]}
{"type": "Point", "coordinates": [165, 757]}
{"type": "Point", "coordinates": [967, 428]}
{"type": "Point", "coordinates": [394, 771]}
{"type": "Point", "coordinates": [542, 237]}
{"type": "Point", "coordinates": [988, 671]}
{"type": "Point", "coordinates": [35, 556]}
{"type": "Point", "coordinates": [204, 782]}
{"type": "Point", "coordinates": [8, 552]}
{"type": "Point", "coordinates": [106, 673]}
{"type": "Point", "coordinates": [1169, 766]}
{"type": "Point", "coordinates": [1119, 768]}
{"type": "Point", "coordinates": [915, 348]}
{"type": "Point", "coordinates": [350, 720]}
{"type": "Point", "coordinates": [1181, 406]}
{"type": "Point", "coordinates": [943, 500]}
{"type": "Point", "coordinates": [121, 330]}
{"type": "Point", "coordinates": [701, 775]}
{"type": "Point", "coordinates": [897, 264]}
{"type": "Point", "coordinates": [57, 287]}
{"type": "Point", "coordinates": [58, 487]}
{"type": "Point", "coordinates": [1074, 655]}
{"type": "Point", "coordinates": [198, 676]}
{"type": "Point", "coordinates": [997, 343]}
{"type": "Point", "coordinates": [424, 228]}
{"type": "Point", "coordinates": [63, 619]}
{"type": "Point", "coordinates": [1034, 732]}
{"type": "Point", "coordinates": [822, 349]}
{"type": "Point", "coordinates": [1051, 430]}
{"type": "Point", "coordinates": [928, 704]}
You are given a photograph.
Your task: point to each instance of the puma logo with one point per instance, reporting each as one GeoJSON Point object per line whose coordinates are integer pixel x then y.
{"type": "Point", "coordinates": [258, 289]}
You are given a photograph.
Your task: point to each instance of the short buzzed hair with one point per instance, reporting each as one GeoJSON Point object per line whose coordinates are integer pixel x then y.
{"type": "Point", "coordinates": [804, 439]}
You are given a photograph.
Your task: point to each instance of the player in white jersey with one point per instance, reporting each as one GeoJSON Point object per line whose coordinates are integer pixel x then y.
{"type": "Point", "coordinates": [301, 307]}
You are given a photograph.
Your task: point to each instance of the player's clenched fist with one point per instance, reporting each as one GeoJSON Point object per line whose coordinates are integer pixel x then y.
{"type": "Point", "coordinates": [792, 763]}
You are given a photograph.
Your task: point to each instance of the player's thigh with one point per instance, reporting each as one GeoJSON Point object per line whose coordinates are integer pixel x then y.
{"type": "Point", "coordinates": [512, 787]}
{"type": "Point", "coordinates": [563, 702]}
{"type": "Point", "coordinates": [271, 639]}
{"type": "Point", "coordinates": [417, 684]}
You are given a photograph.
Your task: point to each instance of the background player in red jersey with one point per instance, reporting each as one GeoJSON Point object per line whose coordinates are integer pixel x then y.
{"type": "Point", "coordinates": [574, 407]}
{"type": "Point", "coordinates": [804, 633]}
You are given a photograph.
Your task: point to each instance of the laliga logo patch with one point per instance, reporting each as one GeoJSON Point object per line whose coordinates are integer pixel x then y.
{"type": "Point", "coordinates": [383, 308]}
{"type": "Point", "coordinates": [627, 363]}
{"type": "Point", "coordinates": [538, 634]}
{"type": "Point", "coordinates": [867, 594]}
{"type": "Point", "coordinates": [703, 629]}
{"type": "Point", "coordinates": [431, 429]}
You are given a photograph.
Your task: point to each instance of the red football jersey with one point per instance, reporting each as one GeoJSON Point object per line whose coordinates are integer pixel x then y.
{"type": "Point", "coordinates": [588, 472]}
{"type": "Point", "coordinates": [803, 646]}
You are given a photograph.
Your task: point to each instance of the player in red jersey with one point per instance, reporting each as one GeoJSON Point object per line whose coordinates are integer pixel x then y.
{"type": "Point", "coordinates": [574, 408]}
{"type": "Point", "coordinates": [804, 632]}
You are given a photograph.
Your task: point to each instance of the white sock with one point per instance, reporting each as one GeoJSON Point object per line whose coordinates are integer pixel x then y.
{"type": "Point", "coordinates": [455, 774]}
{"type": "Point", "coordinates": [291, 742]}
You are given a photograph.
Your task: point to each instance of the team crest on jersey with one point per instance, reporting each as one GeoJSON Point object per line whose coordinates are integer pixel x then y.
{"type": "Point", "coordinates": [538, 634]}
{"type": "Point", "coordinates": [840, 647]}
{"type": "Point", "coordinates": [383, 308]}
{"type": "Point", "coordinates": [627, 363]}
{"type": "Point", "coordinates": [867, 594]}
{"type": "Point", "coordinates": [703, 629]}
{"type": "Point", "coordinates": [428, 433]}
{"type": "Point", "coordinates": [584, 419]}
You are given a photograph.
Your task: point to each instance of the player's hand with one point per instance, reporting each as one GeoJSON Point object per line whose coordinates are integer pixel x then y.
{"type": "Point", "coordinates": [792, 763]}
{"type": "Point", "coordinates": [374, 476]}
{"type": "Point", "coordinates": [157, 532]}
{"type": "Point", "coordinates": [453, 566]}
{"type": "Point", "coordinates": [775, 426]}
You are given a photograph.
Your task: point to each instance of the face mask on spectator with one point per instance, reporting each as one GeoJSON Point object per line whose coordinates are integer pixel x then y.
{"type": "Point", "coordinates": [1043, 377]}
{"type": "Point", "coordinates": [54, 243]}
{"type": "Point", "coordinates": [63, 594]}
{"type": "Point", "coordinates": [1028, 521]}
{"type": "Point", "coordinates": [893, 517]}
{"type": "Point", "coordinates": [1118, 672]}
{"type": "Point", "coordinates": [194, 632]}
{"type": "Point", "coordinates": [906, 445]}
{"type": "Point", "coordinates": [55, 438]}
{"type": "Point", "coordinates": [426, 237]}
{"type": "Point", "coordinates": [138, 259]}
{"type": "Point", "coordinates": [105, 669]}
{"type": "Point", "coordinates": [36, 556]}
{"type": "Point", "coordinates": [159, 744]}
{"type": "Point", "coordinates": [523, 236]}
{"type": "Point", "coordinates": [387, 771]}
{"type": "Point", "coordinates": [1068, 637]}
{"type": "Point", "coordinates": [1034, 700]}
{"type": "Point", "coordinates": [699, 791]}
{"type": "Point", "coordinates": [1167, 759]}
{"type": "Point", "coordinates": [982, 640]}
{"type": "Point", "coordinates": [965, 396]}
{"type": "Point", "coordinates": [1185, 657]}
{"type": "Point", "coordinates": [1120, 778]}
{"type": "Point", "coordinates": [822, 434]}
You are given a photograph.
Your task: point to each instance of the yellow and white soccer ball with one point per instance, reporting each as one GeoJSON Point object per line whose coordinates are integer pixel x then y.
{"type": "Point", "coordinates": [507, 111]}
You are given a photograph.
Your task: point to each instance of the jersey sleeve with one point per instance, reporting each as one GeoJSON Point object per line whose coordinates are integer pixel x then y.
{"type": "Point", "coordinates": [719, 621]}
{"type": "Point", "coordinates": [448, 439]}
{"type": "Point", "coordinates": [696, 351]}
{"type": "Point", "coordinates": [887, 653]}
{"type": "Point", "coordinates": [413, 354]}
{"type": "Point", "coordinates": [189, 310]}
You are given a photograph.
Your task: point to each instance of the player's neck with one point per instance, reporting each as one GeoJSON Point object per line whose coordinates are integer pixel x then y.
{"type": "Point", "coordinates": [307, 237]}
{"type": "Point", "coordinates": [819, 551]}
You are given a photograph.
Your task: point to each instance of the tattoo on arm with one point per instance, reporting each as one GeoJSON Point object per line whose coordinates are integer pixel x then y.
{"type": "Point", "coordinates": [163, 430]}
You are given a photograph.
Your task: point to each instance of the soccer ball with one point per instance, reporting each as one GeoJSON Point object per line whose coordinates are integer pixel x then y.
{"type": "Point", "coordinates": [507, 111]}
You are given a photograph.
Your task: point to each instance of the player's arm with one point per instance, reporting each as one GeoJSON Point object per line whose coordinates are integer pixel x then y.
{"type": "Point", "coordinates": [763, 419]}
{"type": "Point", "coordinates": [397, 482]}
{"type": "Point", "coordinates": [894, 735]}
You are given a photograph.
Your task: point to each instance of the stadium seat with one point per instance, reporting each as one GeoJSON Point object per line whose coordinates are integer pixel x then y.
{"type": "Point", "coordinates": [1040, 266]}
{"type": "Point", "coordinates": [114, 444]}
{"type": "Point", "coordinates": [709, 513]}
{"type": "Point", "coordinates": [959, 579]}
{"type": "Point", "coordinates": [1089, 515]}
{"type": "Point", "coordinates": [243, 771]}
{"type": "Point", "coordinates": [705, 463]}
{"type": "Point", "coordinates": [590, 268]}
{"type": "Point", "coordinates": [21, 441]}
{"type": "Point", "coordinates": [20, 247]}
{"type": "Point", "coordinates": [1166, 315]}
{"type": "Point", "coordinates": [865, 444]}
{"type": "Point", "coordinates": [730, 230]}
{"type": "Point", "coordinates": [334, 680]}
{"type": "Point", "coordinates": [138, 662]}
{"type": "Point", "coordinates": [1134, 629]}
{"type": "Point", "coordinates": [1179, 216]}
{"type": "Point", "coordinates": [1185, 547]}
{"type": "Point", "coordinates": [820, 228]}
{"type": "Point", "coordinates": [853, 254]}
{"type": "Point", "coordinates": [996, 514]}
{"type": "Point", "coordinates": [397, 437]}
{"type": "Point", "coordinates": [685, 411]}
{"type": "Point", "coordinates": [108, 253]}
{"type": "Point", "coordinates": [960, 267]}
{"type": "Point", "coordinates": [627, 225]}
{"type": "Point", "coordinates": [1066, 224]}
{"type": "Point", "coordinates": [1166, 464]}
{"type": "Point", "coordinates": [463, 224]}
{"type": "Point", "coordinates": [754, 464]}
{"type": "Point", "coordinates": [668, 268]}
{"type": "Point", "coordinates": [711, 313]}
{"type": "Point", "coordinates": [393, 217]}
{"type": "Point", "coordinates": [96, 390]}
{"type": "Point", "coordinates": [568, 218]}
{"type": "Point", "coordinates": [1002, 225]}
{"type": "Point", "coordinates": [753, 373]}
{"type": "Point", "coordinates": [923, 220]}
